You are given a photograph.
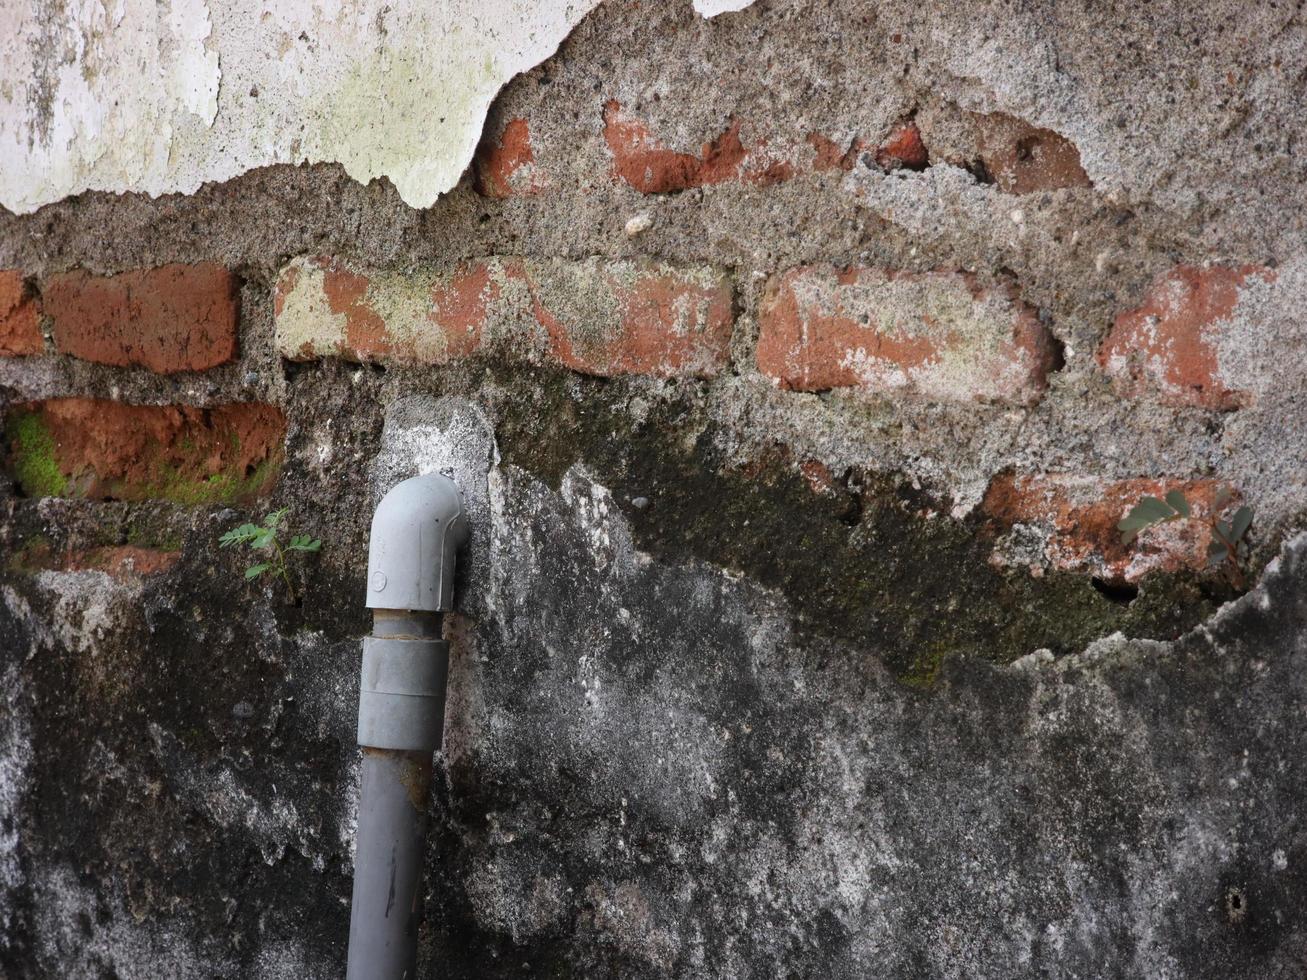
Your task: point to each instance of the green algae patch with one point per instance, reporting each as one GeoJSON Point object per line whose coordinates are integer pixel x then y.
{"type": "Point", "coordinates": [867, 560]}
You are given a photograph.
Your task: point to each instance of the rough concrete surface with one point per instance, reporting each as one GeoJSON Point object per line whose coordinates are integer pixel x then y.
{"type": "Point", "coordinates": [746, 681]}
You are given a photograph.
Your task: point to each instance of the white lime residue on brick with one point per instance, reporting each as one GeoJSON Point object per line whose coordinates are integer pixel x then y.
{"type": "Point", "coordinates": [306, 324]}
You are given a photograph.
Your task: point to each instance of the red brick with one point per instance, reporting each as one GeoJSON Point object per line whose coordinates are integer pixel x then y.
{"type": "Point", "coordinates": [821, 480]}
{"type": "Point", "coordinates": [122, 561]}
{"type": "Point", "coordinates": [84, 447]}
{"type": "Point", "coordinates": [20, 317]}
{"type": "Point", "coordinates": [1023, 159]}
{"type": "Point", "coordinates": [126, 562]}
{"type": "Point", "coordinates": [648, 166]}
{"type": "Point", "coordinates": [598, 317]}
{"type": "Point", "coordinates": [904, 150]}
{"type": "Point", "coordinates": [1170, 346]}
{"type": "Point", "coordinates": [934, 334]}
{"type": "Point", "coordinates": [656, 319]}
{"type": "Point", "coordinates": [505, 165]}
{"type": "Point", "coordinates": [642, 161]}
{"type": "Point", "coordinates": [829, 155]}
{"type": "Point", "coordinates": [1076, 519]}
{"type": "Point", "coordinates": [168, 319]}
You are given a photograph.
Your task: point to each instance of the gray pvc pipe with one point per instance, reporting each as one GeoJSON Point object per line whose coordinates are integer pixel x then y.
{"type": "Point", "coordinates": [416, 532]}
{"type": "Point", "coordinates": [392, 836]}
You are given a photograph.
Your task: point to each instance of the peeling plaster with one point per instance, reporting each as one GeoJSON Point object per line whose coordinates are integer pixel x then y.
{"type": "Point", "coordinates": [132, 96]}
{"type": "Point", "coordinates": [711, 8]}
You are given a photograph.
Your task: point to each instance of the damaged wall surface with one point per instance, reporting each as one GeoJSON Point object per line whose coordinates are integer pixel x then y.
{"type": "Point", "coordinates": [797, 362]}
{"type": "Point", "coordinates": [138, 96]}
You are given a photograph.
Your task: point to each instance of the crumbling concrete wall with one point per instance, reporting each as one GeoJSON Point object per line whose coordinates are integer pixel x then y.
{"type": "Point", "coordinates": [797, 364]}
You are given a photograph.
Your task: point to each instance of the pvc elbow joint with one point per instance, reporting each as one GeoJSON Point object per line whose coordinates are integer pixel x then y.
{"type": "Point", "coordinates": [416, 531]}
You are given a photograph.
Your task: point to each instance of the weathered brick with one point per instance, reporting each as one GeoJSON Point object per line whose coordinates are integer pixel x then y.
{"type": "Point", "coordinates": [903, 150]}
{"type": "Point", "coordinates": [83, 447]}
{"type": "Point", "coordinates": [122, 561]}
{"type": "Point", "coordinates": [598, 316]}
{"type": "Point", "coordinates": [505, 165]}
{"type": "Point", "coordinates": [1023, 159]}
{"type": "Point", "coordinates": [648, 166]}
{"type": "Point", "coordinates": [642, 161]}
{"type": "Point", "coordinates": [1171, 345]}
{"type": "Point", "coordinates": [126, 562]}
{"type": "Point", "coordinates": [20, 317]}
{"type": "Point", "coordinates": [168, 319]}
{"type": "Point", "coordinates": [829, 155]}
{"type": "Point", "coordinates": [1069, 523]}
{"type": "Point", "coordinates": [935, 334]}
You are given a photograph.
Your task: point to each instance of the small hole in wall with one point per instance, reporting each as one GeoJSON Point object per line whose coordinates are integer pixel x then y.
{"type": "Point", "coordinates": [1236, 904]}
{"type": "Point", "coordinates": [1120, 592]}
{"type": "Point", "coordinates": [1058, 360]}
{"type": "Point", "coordinates": [978, 170]}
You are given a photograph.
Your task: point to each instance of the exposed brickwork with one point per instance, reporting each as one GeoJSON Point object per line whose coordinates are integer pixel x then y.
{"type": "Point", "coordinates": [505, 165]}
{"type": "Point", "coordinates": [598, 317]}
{"type": "Point", "coordinates": [651, 168]}
{"type": "Point", "coordinates": [20, 317]}
{"type": "Point", "coordinates": [936, 334]}
{"type": "Point", "coordinates": [1074, 523]}
{"type": "Point", "coordinates": [904, 150]}
{"type": "Point", "coordinates": [124, 561]}
{"type": "Point", "coordinates": [83, 447]}
{"type": "Point", "coordinates": [1023, 159]}
{"type": "Point", "coordinates": [168, 319]}
{"type": "Point", "coordinates": [121, 561]}
{"type": "Point", "coordinates": [1170, 346]}
{"type": "Point", "coordinates": [829, 155]}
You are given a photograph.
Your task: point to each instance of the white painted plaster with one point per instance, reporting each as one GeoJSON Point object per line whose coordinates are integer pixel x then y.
{"type": "Point", "coordinates": [711, 8]}
{"type": "Point", "coordinates": [130, 95]}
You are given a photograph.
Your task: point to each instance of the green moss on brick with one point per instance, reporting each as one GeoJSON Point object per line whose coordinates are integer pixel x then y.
{"type": "Point", "coordinates": [178, 470]}
{"type": "Point", "coordinates": [32, 457]}
{"type": "Point", "coordinates": [218, 488]}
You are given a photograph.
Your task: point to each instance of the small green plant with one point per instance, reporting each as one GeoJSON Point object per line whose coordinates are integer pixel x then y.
{"type": "Point", "coordinates": [1229, 544]}
{"type": "Point", "coordinates": [265, 537]}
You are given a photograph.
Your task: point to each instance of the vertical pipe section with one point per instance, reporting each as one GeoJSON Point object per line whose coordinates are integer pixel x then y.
{"type": "Point", "coordinates": [416, 532]}
{"type": "Point", "coordinates": [402, 708]}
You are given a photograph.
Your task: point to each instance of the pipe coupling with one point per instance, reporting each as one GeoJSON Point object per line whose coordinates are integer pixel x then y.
{"type": "Point", "coordinates": [402, 693]}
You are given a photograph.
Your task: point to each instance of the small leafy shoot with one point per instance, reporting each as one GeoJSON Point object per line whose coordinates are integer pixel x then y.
{"type": "Point", "coordinates": [1228, 546]}
{"type": "Point", "coordinates": [1178, 503]}
{"type": "Point", "coordinates": [1148, 512]}
{"type": "Point", "coordinates": [264, 537]}
{"type": "Point", "coordinates": [1239, 524]}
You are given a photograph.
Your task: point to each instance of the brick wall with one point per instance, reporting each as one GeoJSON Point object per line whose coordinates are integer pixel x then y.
{"type": "Point", "coordinates": [799, 365]}
{"type": "Point", "coordinates": [938, 336]}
